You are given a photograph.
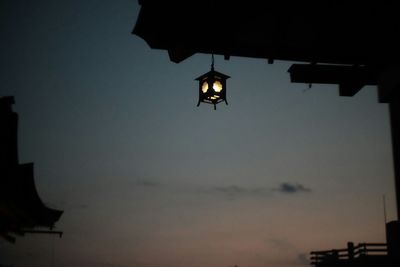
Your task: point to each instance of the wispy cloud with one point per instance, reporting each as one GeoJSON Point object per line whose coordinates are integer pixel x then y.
{"type": "Point", "coordinates": [288, 188]}
{"type": "Point", "coordinates": [234, 191]}
{"type": "Point", "coordinates": [297, 259]}
{"type": "Point", "coordinates": [238, 191]}
{"type": "Point", "coordinates": [303, 258]}
{"type": "Point", "coordinates": [281, 244]}
{"type": "Point", "coordinates": [147, 183]}
{"type": "Point", "coordinates": [231, 191]}
{"type": "Point", "coordinates": [90, 263]}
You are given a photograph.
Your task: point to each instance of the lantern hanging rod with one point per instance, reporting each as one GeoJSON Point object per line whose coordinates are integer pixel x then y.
{"type": "Point", "coordinates": [212, 61]}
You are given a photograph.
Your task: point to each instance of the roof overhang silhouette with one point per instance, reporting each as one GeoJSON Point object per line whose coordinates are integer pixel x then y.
{"type": "Point", "coordinates": [360, 40]}
{"type": "Point", "coordinates": [336, 32]}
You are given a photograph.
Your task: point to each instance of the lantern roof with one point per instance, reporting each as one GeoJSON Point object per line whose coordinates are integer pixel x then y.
{"type": "Point", "coordinates": [213, 72]}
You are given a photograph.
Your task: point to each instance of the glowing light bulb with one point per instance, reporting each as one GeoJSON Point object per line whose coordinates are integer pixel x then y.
{"type": "Point", "coordinates": [217, 86]}
{"type": "Point", "coordinates": [204, 87]}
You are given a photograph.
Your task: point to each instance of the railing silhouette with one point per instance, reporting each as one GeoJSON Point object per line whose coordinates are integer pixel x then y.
{"type": "Point", "coordinates": [349, 253]}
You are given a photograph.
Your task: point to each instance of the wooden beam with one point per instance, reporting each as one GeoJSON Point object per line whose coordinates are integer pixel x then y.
{"type": "Point", "coordinates": [349, 89]}
{"type": "Point", "coordinates": [349, 78]}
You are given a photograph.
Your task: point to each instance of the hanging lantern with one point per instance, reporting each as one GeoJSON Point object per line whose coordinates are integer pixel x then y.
{"type": "Point", "coordinates": [212, 87]}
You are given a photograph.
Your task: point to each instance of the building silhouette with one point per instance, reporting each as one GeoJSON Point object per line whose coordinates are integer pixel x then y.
{"type": "Point", "coordinates": [21, 209]}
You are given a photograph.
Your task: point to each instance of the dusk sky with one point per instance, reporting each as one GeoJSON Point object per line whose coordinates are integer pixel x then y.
{"type": "Point", "coordinates": [147, 179]}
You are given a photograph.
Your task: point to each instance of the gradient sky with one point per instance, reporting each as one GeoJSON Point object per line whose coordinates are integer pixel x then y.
{"type": "Point", "coordinates": [147, 179]}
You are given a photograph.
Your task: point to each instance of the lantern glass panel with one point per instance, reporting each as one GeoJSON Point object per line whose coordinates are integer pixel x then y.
{"type": "Point", "coordinates": [217, 86]}
{"type": "Point", "coordinates": [204, 87]}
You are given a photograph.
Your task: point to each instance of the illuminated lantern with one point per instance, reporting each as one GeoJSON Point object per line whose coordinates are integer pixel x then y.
{"type": "Point", "coordinates": [212, 87]}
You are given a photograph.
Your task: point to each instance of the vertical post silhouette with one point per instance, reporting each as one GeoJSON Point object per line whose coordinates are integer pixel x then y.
{"type": "Point", "coordinates": [394, 109]}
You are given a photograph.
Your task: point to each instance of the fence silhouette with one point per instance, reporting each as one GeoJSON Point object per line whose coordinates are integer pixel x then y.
{"type": "Point", "coordinates": [349, 253]}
